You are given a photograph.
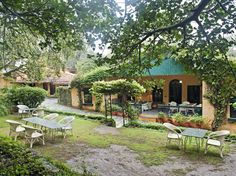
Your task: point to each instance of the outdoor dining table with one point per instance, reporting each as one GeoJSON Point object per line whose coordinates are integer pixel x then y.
{"type": "Point", "coordinates": [196, 133]}
{"type": "Point", "coordinates": [50, 124]}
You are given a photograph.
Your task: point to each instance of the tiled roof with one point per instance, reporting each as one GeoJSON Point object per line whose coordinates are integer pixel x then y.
{"type": "Point", "coordinates": [64, 79]}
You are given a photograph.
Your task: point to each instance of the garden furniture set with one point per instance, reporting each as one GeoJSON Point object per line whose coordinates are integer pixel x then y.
{"type": "Point", "coordinates": [215, 139]}
{"type": "Point", "coordinates": [50, 122]}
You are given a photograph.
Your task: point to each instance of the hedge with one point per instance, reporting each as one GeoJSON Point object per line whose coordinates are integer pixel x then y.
{"type": "Point", "coordinates": [101, 118]}
{"type": "Point", "coordinates": [29, 96]}
{"type": "Point", "coordinates": [16, 160]}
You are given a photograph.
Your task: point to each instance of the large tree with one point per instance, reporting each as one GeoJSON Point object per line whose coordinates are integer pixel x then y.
{"type": "Point", "coordinates": [196, 32]}
{"type": "Point", "coordinates": [49, 25]}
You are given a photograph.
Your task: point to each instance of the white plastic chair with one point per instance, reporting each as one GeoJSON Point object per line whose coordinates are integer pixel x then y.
{"type": "Point", "coordinates": [216, 139]}
{"type": "Point", "coordinates": [23, 110]}
{"type": "Point", "coordinates": [52, 116]}
{"type": "Point", "coordinates": [38, 112]}
{"type": "Point", "coordinates": [33, 134]}
{"type": "Point", "coordinates": [15, 128]}
{"type": "Point", "coordinates": [173, 107]}
{"type": "Point", "coordinates": [67, 124]}
{"type": "Point", "coordinates": [173, 134]}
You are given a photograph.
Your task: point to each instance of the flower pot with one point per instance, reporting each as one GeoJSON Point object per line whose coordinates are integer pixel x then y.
{"type": "Point", "coordinates": [119, 114]}
{"type": "Point", "coordinates": [186, 124]}
{"type": "Point", "coordinates": [174, 122]}
{"type": "Point", "coordinates": [114, 113]}
{"type": "Point", "coordinates": [159, 120]}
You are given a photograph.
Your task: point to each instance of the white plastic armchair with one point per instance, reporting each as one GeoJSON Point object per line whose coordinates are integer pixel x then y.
{"type": "Point", "coordinates": [216, 139]}
{"type": "Point", "coordinates": [33, 134]}
{"type": "Point", "coordinates": [15, 128]}
{"type": "Point", "coordinates": [23, 110]}
{"type": "Point", "coordinates": [66, 123]}
{"type": "Point", "coordinates": [173, 134]}
{"type": "Point", "coordinates": [52, 116]}
{"type": "Point", "coordinates": [173, 107]}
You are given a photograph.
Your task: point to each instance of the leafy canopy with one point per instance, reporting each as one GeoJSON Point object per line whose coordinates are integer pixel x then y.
{"type": "Point", "coordinates": [120, 86]}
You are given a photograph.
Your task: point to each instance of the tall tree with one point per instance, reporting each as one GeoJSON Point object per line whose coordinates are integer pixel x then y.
{"type": "Point", "coordinates": [54, 24]}
{"type": "Point", "coordinates": [194, 32]}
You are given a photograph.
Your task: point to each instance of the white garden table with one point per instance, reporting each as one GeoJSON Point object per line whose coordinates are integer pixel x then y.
{"type": "Point", "coordinates": [50, 124]}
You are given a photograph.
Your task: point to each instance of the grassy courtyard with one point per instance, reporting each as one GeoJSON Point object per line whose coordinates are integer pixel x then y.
{"type": "Point", "coordinates": [150, 145]}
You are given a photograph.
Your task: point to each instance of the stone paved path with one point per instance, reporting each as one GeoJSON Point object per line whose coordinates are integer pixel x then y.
{"type": "Point", "coordinates": [51, 104]}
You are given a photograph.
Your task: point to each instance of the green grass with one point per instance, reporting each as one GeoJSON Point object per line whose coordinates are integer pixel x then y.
{"type": "Point", "coordinates": [149, 144]}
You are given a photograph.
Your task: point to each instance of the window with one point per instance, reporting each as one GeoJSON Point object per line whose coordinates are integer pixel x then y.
{"type": "Point", "coordinates": [88, 99]}
{"type": "Point", "coordinates": [194, 94]}
{"type": "Point", "coordinates": [175, 91]}
{"type": "Point", "coordinates": [45, 86]}
{"type": "Point", "coordinates": [157, 95]}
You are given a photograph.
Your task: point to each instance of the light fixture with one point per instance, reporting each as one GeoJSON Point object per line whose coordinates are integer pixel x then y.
{"type": "Point", "coordinates": [180, 81]}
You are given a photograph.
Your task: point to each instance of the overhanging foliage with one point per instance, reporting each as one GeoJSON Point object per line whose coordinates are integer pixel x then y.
{"type": "Point", "coordinates": [120, 86]}
{"type": "Point", "coordinates": [97, 74]}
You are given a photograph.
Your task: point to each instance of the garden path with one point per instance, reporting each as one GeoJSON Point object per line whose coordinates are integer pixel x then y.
{"type": "Point", "coordinates": [51, 104]}
{"type": "Point", "coordinates": [121, 161]}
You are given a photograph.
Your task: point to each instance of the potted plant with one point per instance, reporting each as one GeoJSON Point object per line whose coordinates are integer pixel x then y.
{"type": "Point", "coordinates": [178, 119]}
{"type": "Point", "coordinates": [163, 117]}
{"type": "Point", "coordinates": [196, 121]}
{"type": "Point", "coordinates": [116, 110]}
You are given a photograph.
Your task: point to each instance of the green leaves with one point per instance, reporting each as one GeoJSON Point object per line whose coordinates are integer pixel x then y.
{"type": "Point", "coordinates": [119, 86]}
{"type": "Point", "coordinates": [29, 96]}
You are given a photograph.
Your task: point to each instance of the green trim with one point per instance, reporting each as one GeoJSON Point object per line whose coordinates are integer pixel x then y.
{"type": "Point", "coordinates": [167, 67]}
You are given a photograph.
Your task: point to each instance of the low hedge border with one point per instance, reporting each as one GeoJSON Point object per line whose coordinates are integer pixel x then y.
{"type": "Point", "coordinates": [100, 118]}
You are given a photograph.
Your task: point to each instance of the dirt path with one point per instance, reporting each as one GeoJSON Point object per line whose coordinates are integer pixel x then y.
{"type": "Point", "coordinates": [121, 161]}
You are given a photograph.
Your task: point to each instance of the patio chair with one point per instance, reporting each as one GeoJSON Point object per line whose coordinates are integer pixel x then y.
{"type": "Point", "coordinates": [33, 134]}
{"type": "Point", "coordinates": [52, 116]}
{"type": "Point", "coordinates": [66, 122]}
{"type": "Point", "coordinates": [23, 110]}
{"type": "Point", "coordinates": [173, 107]}
{"type": "Point", "coordinates": [216, 139]}
{"type": "Point", "coordinates": [15, 128]}
{"type": "Point", "coordinates": [38, 112]}
{"type": "Point", "coordinates": [173, 134]}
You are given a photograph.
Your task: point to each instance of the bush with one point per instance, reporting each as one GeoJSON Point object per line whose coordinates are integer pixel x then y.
{"type": "Point", "coordinates": [15, 160]}
{"type": "Point", "coordinates": [136, 124]}
{"type": "Point", "coordinates": [29, 96]}
{"type": "Point", "coordinates": [116, 108]}
{"type": "Point", "coordinates": [4, 108]}
{"type": "Point", "coordinates": [179, 117]}
{"type": "Point", "coordinates": [131, 112]}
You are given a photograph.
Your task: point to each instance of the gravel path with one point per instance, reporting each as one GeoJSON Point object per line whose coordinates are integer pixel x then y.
{"type": "Point", "coordinates": [51, 104]}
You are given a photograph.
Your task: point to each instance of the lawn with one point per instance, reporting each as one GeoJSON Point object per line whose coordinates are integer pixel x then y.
{"type": "Point", "coordinates": [150, 145]}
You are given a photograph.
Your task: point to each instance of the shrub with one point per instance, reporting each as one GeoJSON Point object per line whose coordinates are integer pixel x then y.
{"type": "Point", "coordinates": [179, 117]}
{"type": "Point", "coordinates": [29, 96]}
{"type": "Point", "coordinates": [15, 160]}
{"type": "Point", "coordinates": [196, 119]}
{"type": "Point", "coordinates": [136, 124]}
{"type": "Point", "coordinates": [131, 112]}
{"type": "Point", "coordinates": [4, 108]}
{"type": "Point", "coordinates": [116, 108]}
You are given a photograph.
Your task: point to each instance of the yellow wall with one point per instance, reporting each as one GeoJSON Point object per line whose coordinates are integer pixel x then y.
{"type": "Point", "coordinates": [74, 97]}
{"type": "Point", "coordinates": [4, 83]}
{"type": "Point", "coordinates": [187, 80]}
